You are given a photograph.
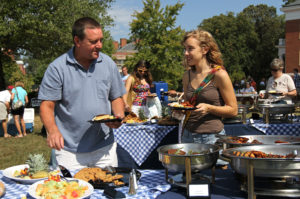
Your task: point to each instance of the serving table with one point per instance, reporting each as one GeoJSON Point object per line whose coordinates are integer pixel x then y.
{"type": "Point", "coordinates": [279, 128]}
{"type": "Point", "coordinates": [137, 144]}
{"type": "Point", "coordinates": [152, 185]}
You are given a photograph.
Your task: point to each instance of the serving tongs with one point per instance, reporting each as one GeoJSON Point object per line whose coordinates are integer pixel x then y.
{"type": "Point", "coordinates": [66, 174]}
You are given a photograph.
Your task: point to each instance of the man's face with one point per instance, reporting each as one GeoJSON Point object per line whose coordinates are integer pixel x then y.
{"type": "Point", "coordinates": [90, 46]}
{"type": "Point", "coordinates": [124, 71]}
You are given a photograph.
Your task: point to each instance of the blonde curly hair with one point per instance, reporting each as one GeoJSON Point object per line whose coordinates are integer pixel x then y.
{"type": "Point", "coordinates": [206, 40]}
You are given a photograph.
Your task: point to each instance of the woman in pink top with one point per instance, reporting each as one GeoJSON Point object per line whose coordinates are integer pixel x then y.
{"type": "Point", "coordinates": [138, 87]}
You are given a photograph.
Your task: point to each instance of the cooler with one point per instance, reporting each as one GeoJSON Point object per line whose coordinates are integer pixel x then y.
{"type": "Point", "coordinates": [158, 88]}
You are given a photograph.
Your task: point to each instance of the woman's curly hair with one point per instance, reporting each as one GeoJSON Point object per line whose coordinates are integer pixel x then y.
{"type": "Point", "coordinates": [206, 40]}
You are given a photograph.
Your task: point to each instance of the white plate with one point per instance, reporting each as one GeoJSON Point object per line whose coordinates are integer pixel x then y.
{"type": "Point", "coordinates": [9, 173]}
{"type": "Point", "coordinates": [87, 193]}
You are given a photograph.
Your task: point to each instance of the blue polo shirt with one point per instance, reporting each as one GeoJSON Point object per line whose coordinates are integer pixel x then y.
{"type": "Point", "coordinates": [80, 95]}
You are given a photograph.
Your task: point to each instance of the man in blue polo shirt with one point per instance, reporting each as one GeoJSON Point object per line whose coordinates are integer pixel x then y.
{"type": "Point", "coordinates": [77, 86]}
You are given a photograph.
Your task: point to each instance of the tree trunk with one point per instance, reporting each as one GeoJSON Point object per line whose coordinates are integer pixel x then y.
{"type": "Point", "coordinates": [2, 80]}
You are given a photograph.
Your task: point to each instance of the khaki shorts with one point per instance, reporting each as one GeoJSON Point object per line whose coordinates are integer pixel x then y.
{"type": "Point", "coordinates": [106, 156]}
{"type": "Point", "coordinates": [3, 111]}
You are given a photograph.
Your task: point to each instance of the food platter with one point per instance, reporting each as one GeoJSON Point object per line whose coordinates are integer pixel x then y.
{"type": "Point", "coordinates": [266, 167]}
{"type": "Point", "coordinates": [106, 118]}
{"type": "Point", "coordinates": [207, 157]}
{"type": "Point", "coordinates": [97, 184]}
{"type": "Point", "coordinates": [88, 192]}
{"type": "Point", "coordinates": [231, 142]}
{"type": "Point", "coordinates": [113, 177]}
{"type": "Point", "coordinates": [152, 95]}
{"type": "Point", "coordinates": [275, 93]}
{"type": "Point", "coordinates": [9, 173]}
{"type": "Point", "coordinates": [181, 106]}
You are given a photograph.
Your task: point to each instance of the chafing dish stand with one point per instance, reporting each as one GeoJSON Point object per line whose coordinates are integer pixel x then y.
{"type": "Point", "coordinates": [199, 188]}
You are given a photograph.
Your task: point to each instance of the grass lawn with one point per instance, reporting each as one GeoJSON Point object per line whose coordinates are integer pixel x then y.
{"type": "Point", "coordinates": [14, 151]}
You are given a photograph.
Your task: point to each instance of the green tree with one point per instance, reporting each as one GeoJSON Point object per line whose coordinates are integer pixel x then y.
{"type": "Point", "coordinates": [269, 28]}
{"type": "Point", "coordinates": [159, 41]}
{"type": "Point", "coordinates": [234, 35]}
{"type": "Point", "coordinates": [41, 29]}
{"type": "Point", "coordinates": [286, 2]}
{"type": "Point", "coordinates": [247, 40]}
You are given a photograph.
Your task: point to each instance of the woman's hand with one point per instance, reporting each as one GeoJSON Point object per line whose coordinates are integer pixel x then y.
{"type": "Point", "coordinates": [203, 108]}
{"type": "Point", "coordinates": [172, 93]}
{"type": "Point", "coordinates": [127, 108]}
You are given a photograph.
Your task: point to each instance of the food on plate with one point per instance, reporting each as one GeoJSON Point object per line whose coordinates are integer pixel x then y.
{"type": "Point", "coordinates": [176, 152]}
{"type": "Point", "coordinates": [181, 105]}
{"type": "Point", "coordinates": [280, 141]}
{"type": "Point", "coordinates": [38, 168]}
{"type": "Point", "coordinates": [2, 189]}
{"type": "Point", "coordinates": [242, 140]}
{"type": "Point", "coordinates": [103, 117]}
{"type": "Point", "coordinates": [260, 154]}
{"type": "Point", "coordinates": [181, 152]}
{"type": "Point", "coordinates": [152, 95]}
{"type": "Point", "coordinates": [132, 118]}
{"type": "Point", "coordinates": [95, 174]}
{"type": "Point", "coordinates": [54, 187]}
{"type": "Point", "coordinates": [272, 91]}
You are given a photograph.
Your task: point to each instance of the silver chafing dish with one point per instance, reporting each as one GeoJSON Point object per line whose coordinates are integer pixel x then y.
{"type": "Point", "coordinates": [227, 141]}
{"type": "Point", "coordinates": [267, 168]}
{"type": "Point", "coordinates": [275, 112]}
{"type": "Point", "coordinates": [207, 158]}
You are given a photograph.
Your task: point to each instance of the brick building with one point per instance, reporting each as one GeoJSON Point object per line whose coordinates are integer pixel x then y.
{"type": "Point", "coordinates": [124, 50]}
{"type": "Point", "coordinates": [292, 36]}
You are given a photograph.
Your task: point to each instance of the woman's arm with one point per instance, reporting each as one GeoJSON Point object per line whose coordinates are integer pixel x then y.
{"type": "Point", "coordinates": [128, 87]}
{"type": "Point", "coordinates": [26, 100]}
{"type": "Point", "coordinates": [185, 82]}
{"type": "Point", "coordinates": [224, 84]}
{"type": "Point", "coordinates": [12, 96]}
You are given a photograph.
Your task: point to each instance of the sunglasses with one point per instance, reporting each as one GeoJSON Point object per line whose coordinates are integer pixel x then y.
{"type": "Point", "coordinates": [274, 70]}
{"type": "Point", "coordinates": [142, 70]}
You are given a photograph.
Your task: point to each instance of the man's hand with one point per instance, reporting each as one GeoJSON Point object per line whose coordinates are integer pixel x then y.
{"type": "Point", "coordinates": [55, 140]}
{"type": "Point", "coordinates": [114, 125]}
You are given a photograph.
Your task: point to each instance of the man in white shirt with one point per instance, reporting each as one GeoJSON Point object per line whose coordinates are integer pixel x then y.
{"type": "Point", "coordinates": [125, 74]}
{"type": "Point", "coordinates": [4, 107]}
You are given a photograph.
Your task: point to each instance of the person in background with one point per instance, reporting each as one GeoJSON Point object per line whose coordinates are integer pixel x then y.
{"type": "Point", "coordinates": [77, 86]}
{"type": "Point", "coordinates": [253, 83]}
{"type": "Point", "coordinates": [125, 74]}
{"type": "Point", "coordinates": [19, 93]}
{"type": "Point", "coordinates": [248, 90]}
{"type": "Point", "coordinates": [208, 87]}
{"type": "Point", "coordinates": [243, 82]}
{"type": "Point", "coordinates": [4, 108]}
{"type": "Point", "coordinates": [137, 88]}
{"type": "Point", "coordinates": [262, 84]}
{"type": "Point", "coordinates": [279, 83]}
{"type": "Point", "coordinates": [296, 79]}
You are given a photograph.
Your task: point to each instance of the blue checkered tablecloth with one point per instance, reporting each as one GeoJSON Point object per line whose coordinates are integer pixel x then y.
{"type": "Point", "coordinates": [292, 129]}
{"type": "Point", "coordinates": [151, 184]}
{"type": "Point", "coordinates": [140, 140]}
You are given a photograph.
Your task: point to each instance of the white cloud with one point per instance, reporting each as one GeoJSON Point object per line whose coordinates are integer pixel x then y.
{"type": "Point", "coordinates": [122, 15]}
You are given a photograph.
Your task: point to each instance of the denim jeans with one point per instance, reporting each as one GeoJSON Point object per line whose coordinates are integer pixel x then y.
{"type": "Point", "coordinates": [189, 137]}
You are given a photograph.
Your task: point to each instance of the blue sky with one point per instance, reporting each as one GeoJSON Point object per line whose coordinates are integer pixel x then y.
{"type": "Point", "coordinates": [190, 16]}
